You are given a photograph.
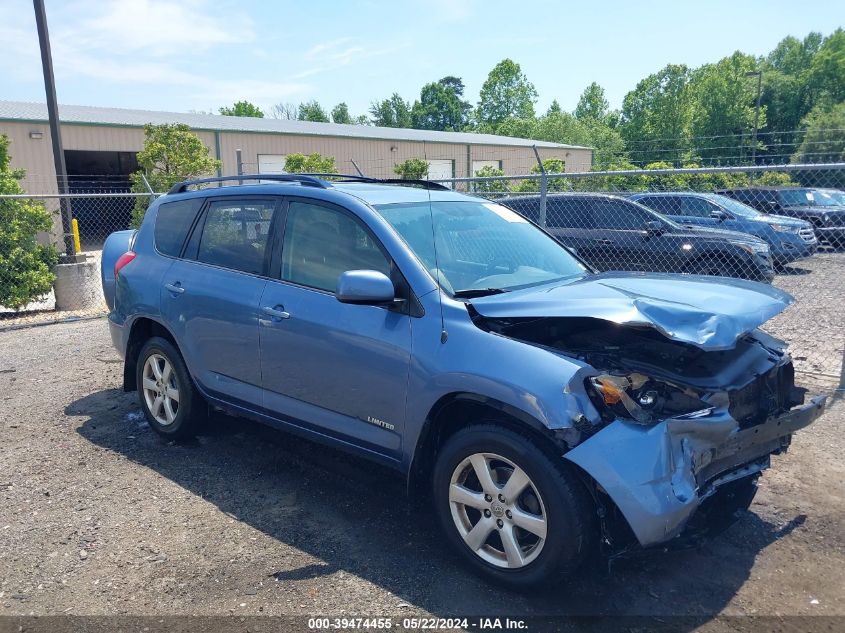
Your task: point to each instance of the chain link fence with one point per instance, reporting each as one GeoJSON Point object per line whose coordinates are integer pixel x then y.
{"type": "Point", "coordinates": [776, 224]}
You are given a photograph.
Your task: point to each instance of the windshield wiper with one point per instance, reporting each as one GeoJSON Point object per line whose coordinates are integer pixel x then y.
{"type": "Point", "coordinates": [469, 293]}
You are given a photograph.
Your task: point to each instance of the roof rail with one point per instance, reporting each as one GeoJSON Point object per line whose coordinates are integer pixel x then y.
{"type": "Point", "coordinates": [303, 179]}
{"type": "Point", "coordinates": [425, 184]}
{"type": "Point", "coordinates": [310, 180]}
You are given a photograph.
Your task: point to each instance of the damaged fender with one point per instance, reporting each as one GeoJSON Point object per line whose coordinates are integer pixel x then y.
{"type": "Point", "coordinates": [658, 475]}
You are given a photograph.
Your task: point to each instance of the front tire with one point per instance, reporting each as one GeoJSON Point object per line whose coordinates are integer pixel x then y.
{"type": "Point", "coordinates": [173, 407]}
{"type": "Point", "coordinates": [512, 512]}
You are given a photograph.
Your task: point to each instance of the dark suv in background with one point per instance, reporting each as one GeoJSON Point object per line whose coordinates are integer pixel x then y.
{"type": "Point", "coordinates": [789, 239]}
{"type": "Point", "coordinates": [822, 211]}
{"type": "Point", "coordinates": [612, 233]}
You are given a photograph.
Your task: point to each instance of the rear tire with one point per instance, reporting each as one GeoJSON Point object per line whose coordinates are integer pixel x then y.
{"type": "Point", "coordinates": [171, 403]}
{"type": "Point", "coordinates": [528, 519]}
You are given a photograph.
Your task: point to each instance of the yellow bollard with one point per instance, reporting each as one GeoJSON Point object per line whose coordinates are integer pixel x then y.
{"type": "Point", "coordinates": [77, 245]}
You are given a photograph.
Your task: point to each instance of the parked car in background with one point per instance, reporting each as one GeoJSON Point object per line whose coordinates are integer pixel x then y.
{"type": "Point", "coordinates": [789, 239]}
{"type": "Point", "coordinates": [612, 233]}
{"type": "Point", "coordinates": [536, 408]}
{"type": "Point", "coordinates": [825, 214]}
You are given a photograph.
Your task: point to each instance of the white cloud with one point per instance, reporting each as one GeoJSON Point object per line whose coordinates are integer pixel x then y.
{"type": "Point", "coordinates": [159, 28]}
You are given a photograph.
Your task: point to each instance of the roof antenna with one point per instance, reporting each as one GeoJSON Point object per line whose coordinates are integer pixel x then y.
{"type": "Point", "coordinates": [444, 335]}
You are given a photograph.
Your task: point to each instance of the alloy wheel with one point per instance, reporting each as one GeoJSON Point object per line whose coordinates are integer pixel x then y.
{"type": "Point", "coordinates": [497, 510]}
{"type": "Point", "coordinates": [161, 390]}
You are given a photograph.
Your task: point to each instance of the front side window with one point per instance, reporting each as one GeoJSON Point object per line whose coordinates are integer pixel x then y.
{"type": "Point", "coordinates": [697, 207]}
{"type": "Point", "coordinates": [471, 245]}
{"type": "Point", "coordinates": [236, 235]}
{"type": "Point", "coordinates": [321, 243]}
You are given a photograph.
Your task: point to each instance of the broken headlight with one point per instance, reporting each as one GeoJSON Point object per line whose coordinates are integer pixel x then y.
{"type": "Point", "coordinates": [643, 399]}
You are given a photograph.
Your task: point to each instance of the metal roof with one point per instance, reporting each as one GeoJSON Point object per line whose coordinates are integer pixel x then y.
{"type": "Point", "coordinates": [121, 117]}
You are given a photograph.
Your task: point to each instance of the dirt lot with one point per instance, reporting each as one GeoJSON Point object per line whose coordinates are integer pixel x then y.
{"type": "Point", "coordinates": [99, 516]}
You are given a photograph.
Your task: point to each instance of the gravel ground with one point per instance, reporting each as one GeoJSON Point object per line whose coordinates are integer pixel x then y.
{"type": "Point", "coordinates": [100, 516]}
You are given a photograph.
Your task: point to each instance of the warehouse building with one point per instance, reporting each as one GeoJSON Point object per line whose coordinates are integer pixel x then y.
{"type": "Point", "coordinates": [102, 142]}
{"type": "Point", "coordinates": [100, 147]}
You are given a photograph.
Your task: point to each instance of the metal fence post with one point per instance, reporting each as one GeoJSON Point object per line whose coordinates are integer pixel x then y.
{"type": "Point", "coordinates": [239, 162]}
{"type": "Point", "coordinates": [544, 187]}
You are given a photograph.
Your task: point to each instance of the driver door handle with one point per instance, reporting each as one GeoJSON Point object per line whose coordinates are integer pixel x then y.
{"type": "Point", "coordinates": [174, 288]}
{"type": "Point", "coordinates": [277, 312]}
{"type": "Point", "coordinates": [605, 242]}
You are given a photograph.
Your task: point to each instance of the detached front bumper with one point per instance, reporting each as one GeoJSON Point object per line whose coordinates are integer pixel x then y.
{"type": "Point", "coordinates": [658, 475]}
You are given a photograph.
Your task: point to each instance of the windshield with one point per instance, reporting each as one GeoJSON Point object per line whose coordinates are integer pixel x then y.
{"type": "Point", "coordinates": [827, 199]}
{"type": "Point", "coordinates": [734, 207]}
{"type": "Point", "coordinates": [796, 197]}
{"type": "Point", "coordinates": [481, 246]}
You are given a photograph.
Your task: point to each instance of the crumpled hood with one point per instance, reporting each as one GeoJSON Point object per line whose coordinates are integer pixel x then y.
{"type": "Point", "coordinates": [707, 312]}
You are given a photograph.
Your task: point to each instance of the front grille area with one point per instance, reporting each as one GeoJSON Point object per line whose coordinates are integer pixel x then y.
{"type": "Point", "coordinates": [807, 235]}
{"type": "Point", "coordinates": [767, 395]}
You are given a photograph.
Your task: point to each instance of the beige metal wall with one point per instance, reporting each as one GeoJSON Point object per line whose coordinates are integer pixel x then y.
{"type": "Point", "coordinates": [375, 157]}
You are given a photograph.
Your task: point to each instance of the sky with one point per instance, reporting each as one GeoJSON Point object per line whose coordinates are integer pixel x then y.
{"type": "Point", "coordinates": [184, 55]}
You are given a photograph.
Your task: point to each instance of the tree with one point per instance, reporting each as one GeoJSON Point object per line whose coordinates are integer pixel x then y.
{"type": "Point", "coordinates": [440, 106]}
{"type": "Point", "coordinates": [340, 114]}
{"type": "Point", "coordinates": [657, 116]}
{"type": "Point", "coordinates": [506, 93]}
{"type": "Point", "coordinates": [827, 71]}
{"type": "Point", "coordinates": [287, 111]}
{"type": "Point", "coordinates": [312, 111]}
{"type": "Point", "coordinates": [25, 264]}
{"type": "Point", "coordinates": [392, 112]}
{"type": "Point", "coordinates": [551, 166]}
{"type": "Point", "coordinates": [592, 104]}
{"type": "Point", "coordinates": [243, 108]}
{"type": "Point", "coordinates": [554, 108]}
{"type": "Point", "coordinates": [724, 107]}
{"type": "Point", "coordinates": [824, 142]}
{"type": "Point", "coordinates": [172, 153]}
{"type": "Point", "coordinates": [412, 169]}
{"type": "Point", "coordinates": [311, 164]}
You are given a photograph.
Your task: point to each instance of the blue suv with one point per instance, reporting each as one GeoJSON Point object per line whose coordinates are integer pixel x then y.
{"type": "Point", "coordinates": [789, 239]}
{"type": "Point", "coordinates": [542, 409]}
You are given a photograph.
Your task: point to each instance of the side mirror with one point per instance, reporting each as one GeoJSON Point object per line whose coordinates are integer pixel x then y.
{"type": "Point", "coordinates": [654, 227]}
{"type": "Point", "coordinates": [364, 287]}
{"type": "Point", "coordinates": [720, 215]}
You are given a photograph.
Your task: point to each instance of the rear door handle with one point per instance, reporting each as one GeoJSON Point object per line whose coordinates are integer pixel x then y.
{"type": "Point", "coordinates": [175, 288]}
{"type": "Point", "coordinates": [277, 312]}
{"type": "Point", "coordinates": [604, 242]}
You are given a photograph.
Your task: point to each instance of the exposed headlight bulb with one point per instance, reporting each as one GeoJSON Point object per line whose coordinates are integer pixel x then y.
{"type": "Point", "coordinates": [647, 399]}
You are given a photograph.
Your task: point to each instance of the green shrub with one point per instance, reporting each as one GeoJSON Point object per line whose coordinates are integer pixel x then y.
{"type": "Point", "coordinates": [490, 186]}
{"type": "Point", "coordinates": [412, 169]}
{"type": "Point", "coordinates": [25, 265]}
{"type": "Point", "coordinates": [311, 164]}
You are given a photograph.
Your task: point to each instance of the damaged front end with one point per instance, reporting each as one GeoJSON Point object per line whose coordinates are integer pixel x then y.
{"type": "Point", "coordinates": [673, 422]}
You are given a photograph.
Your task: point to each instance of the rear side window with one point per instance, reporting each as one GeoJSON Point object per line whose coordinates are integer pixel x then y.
{"type": "Point", "coordinates": [568, 213]}
{"type": "Point", "coordinates": [173, 221]}
{"type": "Point", "coordinates": [527, 208]}
{"type": "Point", "coordinates": [236, 234]}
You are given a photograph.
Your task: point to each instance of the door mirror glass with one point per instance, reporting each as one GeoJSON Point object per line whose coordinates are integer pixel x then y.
{"type": "Point", "coordinates": [367, 287]}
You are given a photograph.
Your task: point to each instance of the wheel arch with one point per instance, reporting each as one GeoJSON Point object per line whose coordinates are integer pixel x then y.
{"type": "Point", "coordinates": [458, 410]}
{"type": "Point", "coordinates": [142, 329]}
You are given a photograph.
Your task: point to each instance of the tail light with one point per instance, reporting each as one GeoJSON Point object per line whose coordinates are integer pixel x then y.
{"type": "Point", "coordinates": [124, 259]}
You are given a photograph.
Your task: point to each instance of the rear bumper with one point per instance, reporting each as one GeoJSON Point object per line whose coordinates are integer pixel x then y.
{"type": "Point", "coordinates": [118, 337]}
{"type": "Point", "coordinates": [658, 475]}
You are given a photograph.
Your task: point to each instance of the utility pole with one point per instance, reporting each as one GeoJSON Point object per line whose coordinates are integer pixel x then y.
{"type": "Point", "coordinates": [759, 75]}
{"type": "Point", "coordinates": [55, 128]}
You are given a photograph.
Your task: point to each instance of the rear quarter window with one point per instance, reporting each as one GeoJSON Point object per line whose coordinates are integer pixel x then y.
{"type": "Point", "coordinates": [173, 221]}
